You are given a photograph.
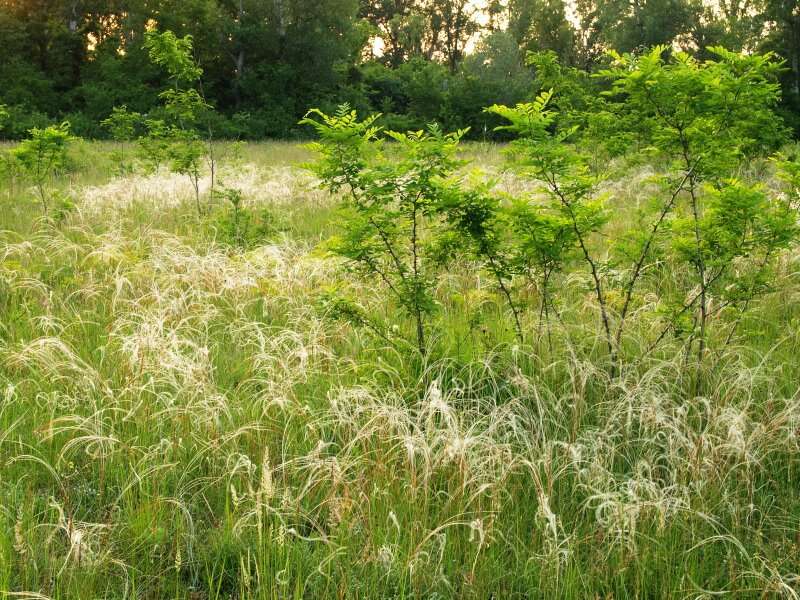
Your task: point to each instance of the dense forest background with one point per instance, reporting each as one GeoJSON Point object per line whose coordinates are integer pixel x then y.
{"type": "Point", "coordinates": [267, 61]}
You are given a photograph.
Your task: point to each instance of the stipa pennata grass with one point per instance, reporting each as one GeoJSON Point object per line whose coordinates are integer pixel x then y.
{"type": "Point", "coordinates": [57, 362]}
{"type": "Point", "coordinates": [271, 186]}
{"type": "Point", "coordinates": [83, 542]}
{"type": "Point", "coordinates": [189, 406]}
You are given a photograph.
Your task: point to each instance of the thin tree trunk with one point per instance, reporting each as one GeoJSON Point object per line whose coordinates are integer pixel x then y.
{"type": "Point", "coordinates": [415, 266]}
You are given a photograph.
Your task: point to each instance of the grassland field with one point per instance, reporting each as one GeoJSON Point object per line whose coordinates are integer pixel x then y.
{"type": "Point", "coordinates": [181, 418]}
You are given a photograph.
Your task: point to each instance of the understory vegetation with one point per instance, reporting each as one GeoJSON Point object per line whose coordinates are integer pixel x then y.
{"type": "Point", "coordinates": [398, 365]}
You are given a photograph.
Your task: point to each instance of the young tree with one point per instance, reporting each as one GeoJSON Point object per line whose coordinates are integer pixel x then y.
{"type": "Point", "coordinates": [544, 156]}
{"type": "Point", "coordinates": [390, 202]}
{"type": "Point", "coordinates": [122, 125]}
{"type": "Point", "coordinates": [185, 107]}
{"type": "Point", "coordinates": [704, 117]}
{"type": "Point", "coordinates": [43, 155]}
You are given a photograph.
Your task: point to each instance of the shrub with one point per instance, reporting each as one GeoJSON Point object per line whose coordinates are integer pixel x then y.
{"type": "Point", "coordinates": [122, 124]}
{"type": "Point", "coordinates": [390, 201]}
{"type": "Point", "coordinates": [43, 155]}
{"type": "Point", "coordinates": [705, 117]}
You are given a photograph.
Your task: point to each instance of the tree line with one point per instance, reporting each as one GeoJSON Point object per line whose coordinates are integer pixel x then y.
{"type": "Point", "coordinates": [415, 61]}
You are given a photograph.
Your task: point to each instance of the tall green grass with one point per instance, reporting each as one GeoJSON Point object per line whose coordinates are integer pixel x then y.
{"type": "Point", "coordinates": [180, 418]}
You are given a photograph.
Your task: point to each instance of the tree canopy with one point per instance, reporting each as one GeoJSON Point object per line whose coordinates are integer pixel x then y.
{"type": "Point", "coordinates": [416, 61]}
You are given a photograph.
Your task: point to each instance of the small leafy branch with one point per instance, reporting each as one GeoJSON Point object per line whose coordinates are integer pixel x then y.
{"type": "Point", "coordinates": [391, 201]}
{"type": "Point", "coordinates": [42, 156]}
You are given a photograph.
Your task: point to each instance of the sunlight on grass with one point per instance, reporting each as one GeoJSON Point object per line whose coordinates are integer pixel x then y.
{"type": "Point", "coordinates": [180, 418]}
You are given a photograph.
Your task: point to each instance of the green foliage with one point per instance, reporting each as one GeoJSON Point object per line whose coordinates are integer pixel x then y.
{"type": "Point", "coordinates": [511, 240]}
{"type": "Point", "coordinates": [242, 227]}
{"type": "Point", "coordinates": [542, 26]}
{"type": "Point", "coordinates": [279, 454]}
{"type": "Point", "coordinates": [544, 156]}
{"type": "Point", "coordinates": [706, 117]}
{"type": "Point", "coordinates": [631, 26]}
{"type": "Point", "coordinates": [391, 197]}
{"type": "Point", "coordinates": [122, 124]}
{"type": "Point", "coordinates": [184, 107]}
{"type": "Point", "coordinates": [42, 156]}
{"type": "Point", "coordinates": [263, 65]}
{"type": "Point", "coordinates": [178, 140]}
{"type": "Point", "coordinates": [714, 110]}
{"type": "Point", "coordinates": [738, 221]}
{"type": "Point", "coordinates": [155, 145]}
{"type": "Point", "coordinates": [789, 173]}
{"type": "Point", "coordinates": [174, 54]}
{"type": "Point", "coordinates": [186, 153]}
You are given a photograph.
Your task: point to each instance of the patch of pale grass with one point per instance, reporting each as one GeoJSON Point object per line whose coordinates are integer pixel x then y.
{"type": "Point", "coordinates": [259, 186]}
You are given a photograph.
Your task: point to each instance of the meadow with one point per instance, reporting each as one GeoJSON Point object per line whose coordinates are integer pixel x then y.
{"type": "Point", "coordinates": [400, 365]}
{"type": "Point", "coordinates": [182, 416]}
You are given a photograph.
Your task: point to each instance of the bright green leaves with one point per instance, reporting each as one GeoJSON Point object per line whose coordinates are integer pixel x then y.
{"type": "Point", "coordinates": [528, 120]}
{"type": "Point", "coordinates": [705, 118]}
{"type": "Point", "coordinates": [154, 147]}
{"type": "Point", "coordinates": [122, 124]}
{"type": "Point", "coordinates": [406, 213]}
{"type": "Point", "coordinates": [739, 221]}
{"type": "Point", "coordinates": [789, 173]}
{"type": "Point", "coordinates": [734, 243]}
{"type": "Point", "coordinates": [547, 158]}
{"type": "Point", "coordinates": [45, 151]}
{"type": "Point", "coordinates": [344, 147]}
{"type": "Point", "coordinates": [178, 140]}
{"type": "Point", "coordinates": [540, 153]}
{"type": "Point", "coordinates": [185, 107]}
{"type": "Point", "coordinates": [174, 54]}
{"type": "Point", "coordinates": [342, 126]}
{"type": "Point", "coordinates": [712, 110]}
{"type": "Point", "coordinates": [186, 153]}
{"type": "Point", "coordinates": [183, 103]}
{"type": "Point", "coordinates": [391, 199]}
{"type": "Point", "coordinates": [42, 156]}
{"type": "Point", "coordinates": [544, 239]}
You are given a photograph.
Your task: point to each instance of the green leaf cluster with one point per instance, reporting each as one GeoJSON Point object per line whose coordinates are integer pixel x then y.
{"type": "Point", "coordinates": [392, 194]}
{"type": "Point", "coordinates": [42, 156]}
